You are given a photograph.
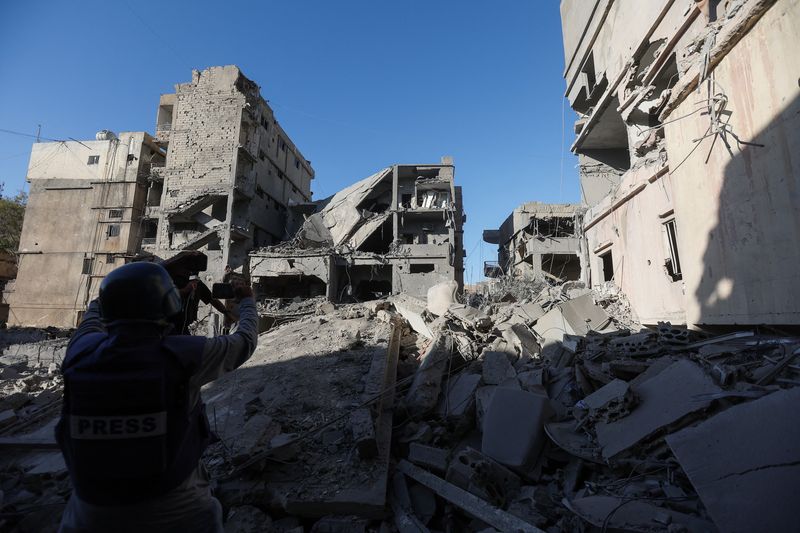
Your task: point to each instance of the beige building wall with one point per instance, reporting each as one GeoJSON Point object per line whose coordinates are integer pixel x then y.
{"type": "Point", "coordinates": [698, 231]}
{"type": "Point", "coordinates": [738, 211]}
{"type": "Point", "coordinates": [629, 228]}
{"type": "Point", "coordinates": [82, 220]}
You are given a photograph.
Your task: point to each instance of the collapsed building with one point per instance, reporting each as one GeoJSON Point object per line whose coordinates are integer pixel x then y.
{"type": "Point", "coordinates": [219, 176]}
{"type": "Point", "coordinates": [397, 231]}
{"type": "Point", "coordinates": [687, 139]}
{"type": "Point", "coordinates": [538, 239]}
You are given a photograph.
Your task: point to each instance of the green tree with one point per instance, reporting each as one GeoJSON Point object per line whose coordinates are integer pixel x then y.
{"type": "Point", "coordinates": [12, 211]}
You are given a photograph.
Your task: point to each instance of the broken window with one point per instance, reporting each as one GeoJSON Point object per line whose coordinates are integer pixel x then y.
{"type": "Point", "coordinates": [261, 154]}
{"type": "Point", "coordinates": [87, 265]}
{"type": "Point", "coordinates": [566, 267]}
{"type": "Point", "coordinates": [608, 266]}
{"type": "Point", "coordinates": [405, 200]}
{"type": "Point", "coordinates": [283, 145]}
{"type": "Point", "coordinates": [296, 163]}
{"type": "Point", "coordinates": [113, 230]}
{"type": "Point", "coordinates": [131, 157]}
{"type": "Point", "coordinates": [150, 228]}
{"type": "Point", "coordinates": [422, 268]}
{"type": "Point", "coordinates": [673, 262]}
{"type": "Point", "coordinates": [554, 227]}
{"type": "Point", "coordinates": [408, 238]}
{"type": "Point", "coordinates": [111, 259]}
{"type": "Point", "coordinates": [115, 213]}
{"type": "Point", "coordinates": [93, 160]}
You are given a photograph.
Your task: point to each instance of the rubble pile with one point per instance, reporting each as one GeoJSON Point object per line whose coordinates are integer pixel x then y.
{"type": "Point", "coordinates": [536, 411]}
{"type": "Point", "coordinates": [34, 486]}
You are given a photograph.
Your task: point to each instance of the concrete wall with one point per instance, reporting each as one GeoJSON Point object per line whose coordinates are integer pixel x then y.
{"type": "Point", "coordinates": [738, 213]}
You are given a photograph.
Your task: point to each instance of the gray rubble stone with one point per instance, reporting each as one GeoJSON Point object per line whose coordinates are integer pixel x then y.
{"type": "Point", "coordinates": [513, 429]}
{"type": "Point", "coordinates": [497, 368]}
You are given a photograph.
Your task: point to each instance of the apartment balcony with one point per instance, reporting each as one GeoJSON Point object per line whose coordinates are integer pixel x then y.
{"type": "Point", "coordinates": [163, 132]}
{"type": "Point", "coordinates": [492, 269]}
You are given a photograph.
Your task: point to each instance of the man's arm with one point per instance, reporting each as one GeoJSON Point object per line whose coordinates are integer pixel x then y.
{"type": "Point", "coordinates": [91, 323]}
{"type": "Point", "coordinates": [227, 352]}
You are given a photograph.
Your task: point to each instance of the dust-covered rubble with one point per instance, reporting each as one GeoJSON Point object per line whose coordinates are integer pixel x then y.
{"type": "Point", "coordinates": [539, 408]}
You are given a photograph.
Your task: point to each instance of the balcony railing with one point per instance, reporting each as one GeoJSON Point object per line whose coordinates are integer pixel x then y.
{"type": "Point", "coordinates": [163, 131]}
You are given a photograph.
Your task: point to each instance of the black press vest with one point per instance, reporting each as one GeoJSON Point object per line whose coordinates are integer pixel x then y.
{"type": "Point", "coordinates": [127, 430]}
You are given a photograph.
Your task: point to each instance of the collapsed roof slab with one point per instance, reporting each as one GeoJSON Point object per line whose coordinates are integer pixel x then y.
{"type": "Point", "coordinates": [340, 217]}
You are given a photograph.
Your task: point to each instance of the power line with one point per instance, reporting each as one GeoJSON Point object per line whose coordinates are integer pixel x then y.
{"type": "Point", "coordinates": [11, 132]}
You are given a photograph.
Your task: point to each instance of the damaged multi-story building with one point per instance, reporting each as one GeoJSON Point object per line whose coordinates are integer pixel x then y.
{"type": "Point", "coordinates": [538, 240]}
{"type": "Point", "coordinates": [82, 220]}
{"type": "Point", "coordinates": [231, 171]}
{"type": "Point", "coordinates": [688, 139]}
{"type": "Point", "coordinates": [397, 231]}
{"type": "Point", "coordinates": [219, 176]}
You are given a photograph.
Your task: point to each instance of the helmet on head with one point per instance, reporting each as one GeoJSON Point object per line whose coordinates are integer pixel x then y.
{"type": "Point", "coordinates": [138, 291]}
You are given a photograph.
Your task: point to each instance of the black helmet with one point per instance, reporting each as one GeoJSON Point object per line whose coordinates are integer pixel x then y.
{"type": "Point", "coordinates": [138, 291]}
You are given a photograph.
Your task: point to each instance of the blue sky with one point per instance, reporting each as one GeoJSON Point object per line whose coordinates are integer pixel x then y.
{"type": "Point", "coordinates": [358, 85]}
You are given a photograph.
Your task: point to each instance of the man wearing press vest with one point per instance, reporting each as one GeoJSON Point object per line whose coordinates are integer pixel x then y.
{"type": "Point", "coordinates": [133, 425]}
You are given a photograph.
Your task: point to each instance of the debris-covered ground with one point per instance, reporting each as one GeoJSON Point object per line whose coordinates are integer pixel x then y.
{"type": "Point", "coordinates": [534, 407]}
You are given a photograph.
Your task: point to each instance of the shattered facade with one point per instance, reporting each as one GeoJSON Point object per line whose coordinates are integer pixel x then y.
{"type": "Point", "coordinates": [219, 176]}
{"type": "Point", "coordinates": [397, 231]}
{"type": "Point", "coordinates": [687, 140]}
{"type": "Point", "coordinates": [82, 220]}
{"type": "Point", "coordinates": [538, 239]}
{"type": "Point", "coordinates": [231, 172]}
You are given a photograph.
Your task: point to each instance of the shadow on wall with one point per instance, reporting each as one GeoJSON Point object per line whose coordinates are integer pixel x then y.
{"type": "Point", "coordinates": [750, 264]}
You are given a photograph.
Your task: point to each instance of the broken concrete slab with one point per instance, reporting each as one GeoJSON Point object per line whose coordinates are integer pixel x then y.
{"type": "Point", "coordinates": [583, 315]}
{"type": "Point", "coordinates": [400, 502]}
{"type": "Point", "coordinates": [609, 512]}
{"type": "Point", "coordinates": [469, 503]}
{"type": "Point", "coordinates": [482, 476]}
{"type": "Point", "coordinates": [412, 309]}
{"type": "Point", "coordinates": [608, 403]}
{"type": "Point", "coordinates": [247, 519]}
{"type": "Point", "coordinates": [664, 399]}
{"type": "Point", "coordinates": [573, 441]}
{"type": "Point", "coordinates": [497, 368]}
{"type": "Point", "coordinates": [423, 501]}
{"type": "Point", "coordinates": [441, 296]}
{"type": "Point", "coordinates": [459, 399]}
{"type": "Point", "coordinates": [533, 380]}
{"type": "Point", "coordinates": [552, 326]}
{"type": "Point", "coordinates": [513, 431]}
{"type": "Point", "coordinates": [745, 463]}
{"type": "Point", "coordinates": [471, 316]}
{"type": "Point", "coordinates": [426, 386]}
{"type": "Point", "coordinates": [428, 456]}
{"type": "Point", "coordinates": [363, 431]}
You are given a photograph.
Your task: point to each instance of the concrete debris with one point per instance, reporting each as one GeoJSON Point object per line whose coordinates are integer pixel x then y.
{"type": "Point", "coordinates": [631, 515]}
{"type": "Point", "coordinates": [497, 368]}
{"type": "Point", "coordinates": [513, 429]}
{"type": "Point", "coordinates": [584, 426]}
{"type": "Point", "coordinates": [744, 463]}
{"type": "Point", "coordinates": [441, 296]}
